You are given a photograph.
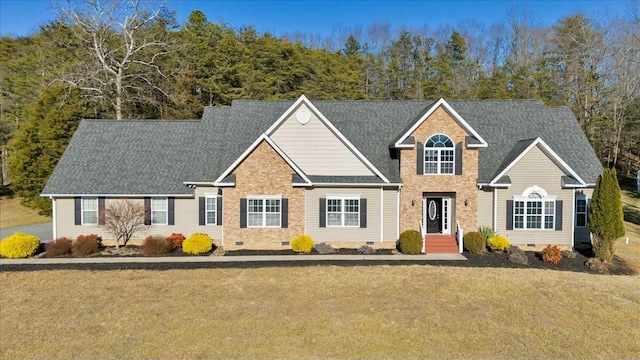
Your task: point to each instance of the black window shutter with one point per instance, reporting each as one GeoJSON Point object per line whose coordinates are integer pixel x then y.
{"type": "Point", "coordinates": [243, 213]}
{"type": "Point", "coordinates": [201, 210]}
{"type": "Point", "coordinates": [171, 216]}
{"type": "Point", "coordinates": [558, 215]}
{"type": "Point", "coordinates": [323, 212]}
{"type": "Point", "coordinates": [458, 158]}
{"type": "Point", "coordinates": [509, 214]}
{"type": "Point", "coordinates": [77, 209]}
{"type": "Point", "coordinates": [147, 211]}
{"type": "Point", "coordinates": [420, 158]}
{"type": "Point", "coordinates": [285, 213]}
{"type": "Point", "coordinates": [219, 210]}
{"type": "Point", "coordinates": [363, 213]}
{"type": "Point", "coordinates": [101, 210]}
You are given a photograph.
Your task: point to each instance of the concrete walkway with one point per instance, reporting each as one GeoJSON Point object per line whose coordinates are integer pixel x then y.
{"type": "Point", "coordinates": [232, 259]}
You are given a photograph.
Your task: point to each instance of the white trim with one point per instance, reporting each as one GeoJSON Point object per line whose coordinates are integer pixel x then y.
{"type": "Point", "coordinates": [398, 212]}
{"type": "Point", "coordinates": [264, 211]}
{"type": "Point", "coordinates": [119, 195]}
{"type": "Point", "coordinates": [524, 198]}
{"type": "Point", "coordinates": [455, 116]}
{"type": "Point", "coordinates": [342, 199]}
{"type": "Point", "coordinates": [381, 214]}
{"type": "Point", "coordinates": [82, 210]}
{"type": "Point", "coordinates": [207, 211]}
{"type": "Point", "coordinates": [255, 144]}
{"type": "Point", "coordinates": [577, 197]}
{"type": "Point", "coordinates": [549, 152]}
{"type": "Point", "coordinates": [166, 210]}
{"type": "Point", "coordinates": [439, 161]}
{"type": "Point", "coordinates": [53, 209]}
{"type": "Point", "coordinates": [341, 196]}
{"type": "Point", "coordinates": [347, 184]}
{"type": "Point", "coordinates": [495, 210]}
{"type": "Point", "coordinates": [573, 218]}
{"type": "Point", "coordinates": [331, 127]}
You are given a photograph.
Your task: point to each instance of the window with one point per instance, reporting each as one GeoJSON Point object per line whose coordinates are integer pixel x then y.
{"type": "Point", "coordinates": [581, 212]}
{"type": "Point", "coordinates": [210, 210]}
{"type": "Point", "coordinates": [439, 157]}
{"type": "Point", "coordinates": [89, 211]}
{"type": "Point", "coordinates": [534, 210]}
{"type": "Point", "coordinates": [159, 210]}
{"type": "Point", "coordinates": [344, 211]}
{"type": "Point", "coordinates": [264, 212]}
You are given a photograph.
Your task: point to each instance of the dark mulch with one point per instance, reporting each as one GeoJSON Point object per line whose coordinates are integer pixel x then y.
{"type": "Point", "coordinates": [340, 251]}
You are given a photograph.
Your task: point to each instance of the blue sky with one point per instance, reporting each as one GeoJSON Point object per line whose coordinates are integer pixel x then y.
{"type": "Point", "coordinates": [22, 17]}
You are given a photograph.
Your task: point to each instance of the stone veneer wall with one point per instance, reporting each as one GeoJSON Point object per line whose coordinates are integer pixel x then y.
{"type": "Point", "coordinates": [263, 172]}
{"type": "Point", "coordinates": [464, 186]}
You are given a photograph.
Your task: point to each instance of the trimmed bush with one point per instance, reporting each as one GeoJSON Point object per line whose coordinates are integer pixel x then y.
{"type": "Point", "coordinates": [498, 243]}
{"type": "Point", "coordinates": [487, 231]}
{"type": "Point", "coordinates": [474, 242]}
{"type": "Point", "coordinates": [302, 244]}
{"type": "Point", "coordinates": [551, 254]}
{"type": "Point", "coordinates": [86, 245]}
{"type": "Point", "coordinates": [156, 246]}
{"type": "Point", "coordinates": [59, 247]}
{"type": "Point", "coordinates": [197, 244]}
{"type": "Point", "coordinates": [176, 240]}
{"type": "Point", "coordinates": [410, 242]}
{"type": "Point", "coordinates": [19, 245]}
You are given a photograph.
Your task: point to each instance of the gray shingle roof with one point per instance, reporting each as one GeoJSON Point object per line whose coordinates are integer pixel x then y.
{"type": "Point", "coordinates": [156, 157]}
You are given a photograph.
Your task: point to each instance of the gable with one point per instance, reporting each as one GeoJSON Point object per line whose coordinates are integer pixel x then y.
{"type": "Point", "coordinates": [263, 162]}
{"type": "Point", "coordinates": [535, 168]}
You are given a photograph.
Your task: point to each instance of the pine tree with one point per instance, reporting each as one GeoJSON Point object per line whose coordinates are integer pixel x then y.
{"type": "Point", "coordinates": [606, 219]}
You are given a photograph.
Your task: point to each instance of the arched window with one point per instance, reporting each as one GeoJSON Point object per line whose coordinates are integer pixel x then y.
{"type": "Point", "coordinates": [534, 210]}
{"type": "Point", "coordinates": [439, 155]}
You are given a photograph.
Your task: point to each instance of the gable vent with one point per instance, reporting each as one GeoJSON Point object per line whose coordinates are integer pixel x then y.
{"type": "Point", "coordinates": [303, 116]}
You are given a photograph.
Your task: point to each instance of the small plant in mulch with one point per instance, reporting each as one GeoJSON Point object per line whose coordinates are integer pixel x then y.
{"type": "Point", "coordinates": [302, 244]}
{"type": "Point", "coordinates": [498, 243]}
{"type": "Point", "coordinates": [86, 245]}
{"type": "Point", "coordinates": [475, 242]}
{"type": "Point", "coordinates": [176, 240]}
{"type": "Point", "coordinates": [58, 247]}
{"type": "Point", "coordinates": [366, 250]}
{"type": "Point", "coordinates": [551, 254]}
{"type": "Point", "coordinates": [197, 244]}
{"type": "Point", "coordinates": [19, 246]}
{"type": "Point", "coordinates": [517, 255]}
{"type": "Point", "coordinates": [324, 248]}
{"type": "Point", "coordinates": [156, 246]}
{"type": "Point", "coordinates": [410, 242]}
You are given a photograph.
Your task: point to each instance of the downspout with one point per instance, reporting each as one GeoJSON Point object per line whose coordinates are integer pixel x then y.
{"type": "Point", "coordinates": [495, 209]}
{"type": "Point", "coordinates": [53, 208]}
{"type": "Point", "coordinates": [398, 213]}
{"type": "Point", "coordinates": [573, 217]}
{"type": "Point", "coordinates": [381, 214]}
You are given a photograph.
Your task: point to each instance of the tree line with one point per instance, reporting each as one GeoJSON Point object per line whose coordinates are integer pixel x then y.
{"type": "Point", "coordinates": [131, 59]}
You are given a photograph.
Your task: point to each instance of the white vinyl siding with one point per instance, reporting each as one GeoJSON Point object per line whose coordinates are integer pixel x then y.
{"type": "Point", "coordinates": [534, 212]}
{"type": "Point", "coordinates": [264, 212]}
{"type": "Point", "coordinates": [159, 211]}
{"type": "Point", "coordinates": [343, 212]}
{"type": "Point", "coordinates": [89, 211]}
{"type": "Point", "coordinates": [210, 210]}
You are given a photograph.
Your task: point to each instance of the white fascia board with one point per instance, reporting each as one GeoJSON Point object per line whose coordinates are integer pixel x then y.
{"type": "Point", "coordinates": [117, 195]}
{"type": "Point", "coordinates": [204, 183]}
{"type": "Point", "coordinates": [404, 146]}
{"type": "Point", "coordinates": [478, 145]}
{"type": "Point", "coordinates": [348, 185]}
{"type": "Point", "coordinates": [452, 112]}
{"type": "Point", "coordinates": [255, 144]}
{"type": "Point", "coordinates": [500, 185]}
{"type": "Point", "coordinates": [547, 150]}
{"type": "Point", "coordinates": [333, 129]}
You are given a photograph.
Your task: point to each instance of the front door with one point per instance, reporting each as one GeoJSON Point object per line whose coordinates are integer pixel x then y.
{"type": "Point", "coordinates": [437, 215]}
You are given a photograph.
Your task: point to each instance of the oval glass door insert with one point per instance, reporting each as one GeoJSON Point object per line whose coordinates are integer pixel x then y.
{"type": "Point", "coordinates": [432, 210]}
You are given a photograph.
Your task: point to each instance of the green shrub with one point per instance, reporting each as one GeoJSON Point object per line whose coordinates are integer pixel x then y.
{"type": "Point", "coordinates": [197, 244]}
{"type": "Point", "coordinates": [176, 240]}
{"type": "Point", "coordinates": [59, 247]}
{"type": "Point", "coordinates": [86, 245]}
{"type": "Point", "coordinates": [487, 231]}
{"type": "Point", "coordinates": [551, 254]}
{"type": "Point", "coordinates": [19, 245]}
{"type": "Point", "coordinates": [156, 246]}
{"type": "Point", "coordinates": [302, 244]}
{"type": "Point", "coordinates": [474, 242]}
{"type": "Point", "coordinates": [411, 242]}
{"type": "Point", "coordinates": [498, 243]}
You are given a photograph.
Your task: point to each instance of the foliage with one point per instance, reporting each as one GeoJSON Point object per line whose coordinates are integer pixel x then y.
{"type": "Point", "coordinates": [59, 247]}
{"type": "Point", "coordinates": [606, 218]}
{"type": "Point", "coordinates": [410, 242]}
{"type": "Point", "coordinates": [487, 231]}
{"type": "Point", "coordinates": [124, 218]}
{"type": "Point", "coordinates": [551, 254]}
{"type": "Point", "coordinates": [176, 240]}
{"type": "Point", "coordinates": [474, 242]}
{"type": "Point", "coordinates": [156, 246]}
{"type": "Point", "coordinates": [197, 244]}
{"type": "Point", "coordinates": [19, 245]}
{"type": "Point", "coordinates": [302, 244]}
{"type": "Point", "coordinates": [86, 245]}
{"type": "Point", "coordinates": [498, 243]}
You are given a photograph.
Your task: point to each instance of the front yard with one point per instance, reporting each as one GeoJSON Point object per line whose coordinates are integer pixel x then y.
{"type": "Point", "coordinates": [319, 312]}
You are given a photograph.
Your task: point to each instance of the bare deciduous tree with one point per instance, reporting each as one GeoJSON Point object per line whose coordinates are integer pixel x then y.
{"type": "Point", "coordinates": [123, 219]}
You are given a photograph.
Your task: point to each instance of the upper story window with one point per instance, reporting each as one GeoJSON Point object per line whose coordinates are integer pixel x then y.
{"type": "Point", "coordinates": [439, 155]}
{"type": "Point", "coordinates": [159, 211]}
{"type": "Point", "coordinates": [89, 211]}
{"type": "Point", "coordinates": [534, 210]}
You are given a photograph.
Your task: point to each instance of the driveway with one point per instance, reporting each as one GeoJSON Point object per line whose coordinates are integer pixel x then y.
{"type": "Point", "coordinates": [44, 231]}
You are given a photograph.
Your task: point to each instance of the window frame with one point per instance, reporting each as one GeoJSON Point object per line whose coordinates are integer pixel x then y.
{"type": "Point", "coordinates": [582, 198]}
{"type": "Point", "coordinates": [343, 207]}
{"type": "Point", "coordinates": [264, 199]}
{"type": "Point", "coordinates": [439, 155]}
{"type": "Point", "coordinates": [165, 210]}
{"type": "Point", "coordinates": [534, 207]}
{"type": "Point", "coordinates": [214, 211]}
{"type": "Point", "coordinates": [83, 210]}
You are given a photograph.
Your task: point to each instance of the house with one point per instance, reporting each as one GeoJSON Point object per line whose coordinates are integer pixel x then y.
{"type": "Point", "coordinates": [349, 173]}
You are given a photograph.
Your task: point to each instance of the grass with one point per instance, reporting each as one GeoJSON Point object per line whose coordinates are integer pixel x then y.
{"type": "Point", "coordinates": [398, 312]}
{"type": "Point", "coordinates": [631, 206]}
{"type": "Point", "coordinates": [12, 213]}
